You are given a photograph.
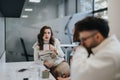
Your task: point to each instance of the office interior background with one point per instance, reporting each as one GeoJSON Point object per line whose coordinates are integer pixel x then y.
{"type": "Point", "coordinates": [21, 21]}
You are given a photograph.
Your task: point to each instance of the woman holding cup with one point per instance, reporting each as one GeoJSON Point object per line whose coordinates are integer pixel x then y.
{"type": "Point", "coordinates": [45, 42]}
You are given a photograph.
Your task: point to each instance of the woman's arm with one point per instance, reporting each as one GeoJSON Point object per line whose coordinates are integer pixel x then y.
{"type": "Point", "coordinates": [58, 48]}
{"type": "Point", "coordinates": [36, 55]}
{"type": "Point", "coordinates": [36, 52]}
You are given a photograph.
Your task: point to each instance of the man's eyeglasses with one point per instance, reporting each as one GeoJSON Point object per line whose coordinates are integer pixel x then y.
{"type": "Point", "coordinates": [84, 39]}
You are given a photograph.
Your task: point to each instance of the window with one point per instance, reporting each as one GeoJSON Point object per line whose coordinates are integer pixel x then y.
{"type": "Point", "coordinates": [100, 8]}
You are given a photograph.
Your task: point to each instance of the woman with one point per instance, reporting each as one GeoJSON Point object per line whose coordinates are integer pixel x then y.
{"type": "Point", "coordinates": [60, 67]}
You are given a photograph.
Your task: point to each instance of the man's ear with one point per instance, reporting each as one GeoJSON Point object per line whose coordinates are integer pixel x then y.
{"type": "Point", "coordinates": [99, 37]}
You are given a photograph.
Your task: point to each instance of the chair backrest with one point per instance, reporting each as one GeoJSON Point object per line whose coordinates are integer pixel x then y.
{"type": "Point", "coordinates": [24, 49]}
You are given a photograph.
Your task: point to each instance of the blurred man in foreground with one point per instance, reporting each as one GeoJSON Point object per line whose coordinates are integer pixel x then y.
{"type": "Point", "coordinates": [104, 62]}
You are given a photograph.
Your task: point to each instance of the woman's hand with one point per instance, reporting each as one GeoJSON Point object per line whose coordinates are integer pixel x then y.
{"type": "Point", "coordinates": [51, 47]}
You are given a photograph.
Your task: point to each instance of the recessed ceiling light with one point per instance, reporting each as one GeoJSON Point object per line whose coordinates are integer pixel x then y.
{"type": "Point", "coordinates": [28, 9]}
{"type": "Point", "coordinates": [35, 1]}
{"type": "Point", "coordinates": [24, 16]}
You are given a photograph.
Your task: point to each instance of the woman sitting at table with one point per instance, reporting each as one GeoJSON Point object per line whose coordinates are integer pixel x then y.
{"type": "Point", "coordinates": [60, 67]}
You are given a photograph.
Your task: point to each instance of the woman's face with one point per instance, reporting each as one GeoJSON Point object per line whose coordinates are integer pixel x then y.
{"type": "Point", "coordinates": [47, 35]}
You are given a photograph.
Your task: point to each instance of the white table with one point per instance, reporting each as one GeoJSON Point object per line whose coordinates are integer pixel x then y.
{"type": "Point", "coordinates": [9, 71]}
{"type": "Point", "coordinates": [66, 46]}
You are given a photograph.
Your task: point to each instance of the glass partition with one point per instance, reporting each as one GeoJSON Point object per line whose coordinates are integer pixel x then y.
{"type": "Point", "coordinates": [100, 4]}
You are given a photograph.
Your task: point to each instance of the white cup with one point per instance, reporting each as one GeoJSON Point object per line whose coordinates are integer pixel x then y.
{"type": "Point", "coordinates": [46, 47]}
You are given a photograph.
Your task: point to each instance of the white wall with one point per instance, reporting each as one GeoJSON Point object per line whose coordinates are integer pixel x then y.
{"type": "Point", "coordinates": [114, 16]}
{"type": "Point", "coordinates": [2, 38]}
{"type": "Point", "coordinates": [1, 35]}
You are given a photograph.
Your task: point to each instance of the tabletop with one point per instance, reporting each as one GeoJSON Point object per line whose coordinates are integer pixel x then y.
{"type": "Point", "coordinates": [30, 70]}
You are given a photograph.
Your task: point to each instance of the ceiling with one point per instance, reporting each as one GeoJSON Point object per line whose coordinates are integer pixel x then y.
{"type": "Point", "coordinates": [11, 8]}
{"type": "Point", "coordinates": [15, 8]}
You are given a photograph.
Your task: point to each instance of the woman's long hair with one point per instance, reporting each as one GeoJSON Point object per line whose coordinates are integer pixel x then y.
{"type": "Point", "coordinates": [40, 37]}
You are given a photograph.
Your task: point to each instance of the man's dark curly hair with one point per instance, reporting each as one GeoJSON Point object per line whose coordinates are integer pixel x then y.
{"type": "Point", "coordinates": [93, 23]}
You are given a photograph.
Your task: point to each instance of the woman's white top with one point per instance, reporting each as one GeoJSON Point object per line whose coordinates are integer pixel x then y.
{"type": "Point", "coordinates": [60, 56]}
{"type": "Point", "coordinates": [103, 65]}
